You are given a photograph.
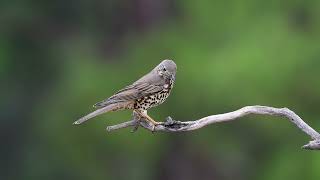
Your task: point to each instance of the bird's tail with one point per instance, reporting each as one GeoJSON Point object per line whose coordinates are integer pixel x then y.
{"type": "Point", "coordinates": [111, 107]}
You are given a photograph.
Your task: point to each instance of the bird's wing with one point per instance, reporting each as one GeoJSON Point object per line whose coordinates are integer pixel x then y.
{"type": "Point", "coordinates": [131, 93]}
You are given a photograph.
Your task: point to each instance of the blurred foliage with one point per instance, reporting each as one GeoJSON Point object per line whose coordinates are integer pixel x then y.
{"type": "Point", "coordinates": [57, 58]}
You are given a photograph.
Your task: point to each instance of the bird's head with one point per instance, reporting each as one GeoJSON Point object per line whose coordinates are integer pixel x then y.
{"type": "Point", "coordinates": [167, 69]}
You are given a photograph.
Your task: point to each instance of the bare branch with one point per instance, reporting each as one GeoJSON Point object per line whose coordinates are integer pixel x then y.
{"type": "Point", "coordinates": [178, 126]}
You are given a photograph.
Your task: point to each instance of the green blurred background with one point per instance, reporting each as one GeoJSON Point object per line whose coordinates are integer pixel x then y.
{"type": "Point", "coordinates": [57, 58]}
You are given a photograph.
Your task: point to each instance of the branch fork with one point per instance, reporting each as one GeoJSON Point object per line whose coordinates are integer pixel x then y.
{"type": "Point", "coordinates": [171, 125]}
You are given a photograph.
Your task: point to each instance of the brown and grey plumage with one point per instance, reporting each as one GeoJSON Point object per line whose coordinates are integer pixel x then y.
{"type": "Point", "coordinates": [149, 91]}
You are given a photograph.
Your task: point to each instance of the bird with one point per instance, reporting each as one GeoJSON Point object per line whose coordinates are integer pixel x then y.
{"type": "Point", "coordinates": [149, 91]}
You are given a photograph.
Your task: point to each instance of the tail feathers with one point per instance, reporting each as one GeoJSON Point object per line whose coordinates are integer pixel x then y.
{"type": "Point", "coordinates": [95, 113]}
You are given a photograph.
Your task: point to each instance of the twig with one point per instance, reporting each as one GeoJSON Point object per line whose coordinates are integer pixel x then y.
{"type": "Point", "coordinates": [178, 126]}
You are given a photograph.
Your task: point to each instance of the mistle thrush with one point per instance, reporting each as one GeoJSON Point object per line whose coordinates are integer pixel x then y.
{"type": "Point", "coordinates": [147, 92]}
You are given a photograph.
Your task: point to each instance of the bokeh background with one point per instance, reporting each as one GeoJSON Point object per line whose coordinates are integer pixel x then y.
{"type": "Point", "coordinates": [57, 58]}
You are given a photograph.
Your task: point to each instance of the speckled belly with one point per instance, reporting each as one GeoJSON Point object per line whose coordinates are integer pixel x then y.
{"type": "Point", "coordinates": [152, 101]}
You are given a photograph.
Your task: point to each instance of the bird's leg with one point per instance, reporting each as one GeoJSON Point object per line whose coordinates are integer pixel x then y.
{"type": "Point", "coordinates": [137, 118]}
{"type": "Point", "coordinates": [151, 120]}
{"type": "Point", "coordinates": [148, 118]}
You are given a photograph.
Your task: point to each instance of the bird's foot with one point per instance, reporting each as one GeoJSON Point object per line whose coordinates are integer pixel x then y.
{"type": "Point", "coordinates": [154, 124]}
{"type": "Point", "coordinates": [135, 127]}
{"type": "Point", "coordinates": [137, 120]}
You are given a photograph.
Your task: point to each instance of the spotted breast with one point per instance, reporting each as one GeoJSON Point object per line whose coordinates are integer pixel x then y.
{"type": "Point", "coordinates": [153, 100]}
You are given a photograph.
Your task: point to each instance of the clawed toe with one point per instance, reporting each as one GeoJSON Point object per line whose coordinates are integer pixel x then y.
{"type": "Point", "coordinates": [156, 124]}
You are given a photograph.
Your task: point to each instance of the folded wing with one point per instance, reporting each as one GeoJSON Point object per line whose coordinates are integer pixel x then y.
{"type": "Point", "coordinates": [130, 93]}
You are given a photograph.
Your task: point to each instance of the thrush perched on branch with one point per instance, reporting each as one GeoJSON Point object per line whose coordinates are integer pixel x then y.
{"type": "Point", "coordinates": [147, 92]}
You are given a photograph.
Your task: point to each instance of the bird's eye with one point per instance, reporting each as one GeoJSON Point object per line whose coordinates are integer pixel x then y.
{"type": "Point", "coordinates": [164, 69]}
